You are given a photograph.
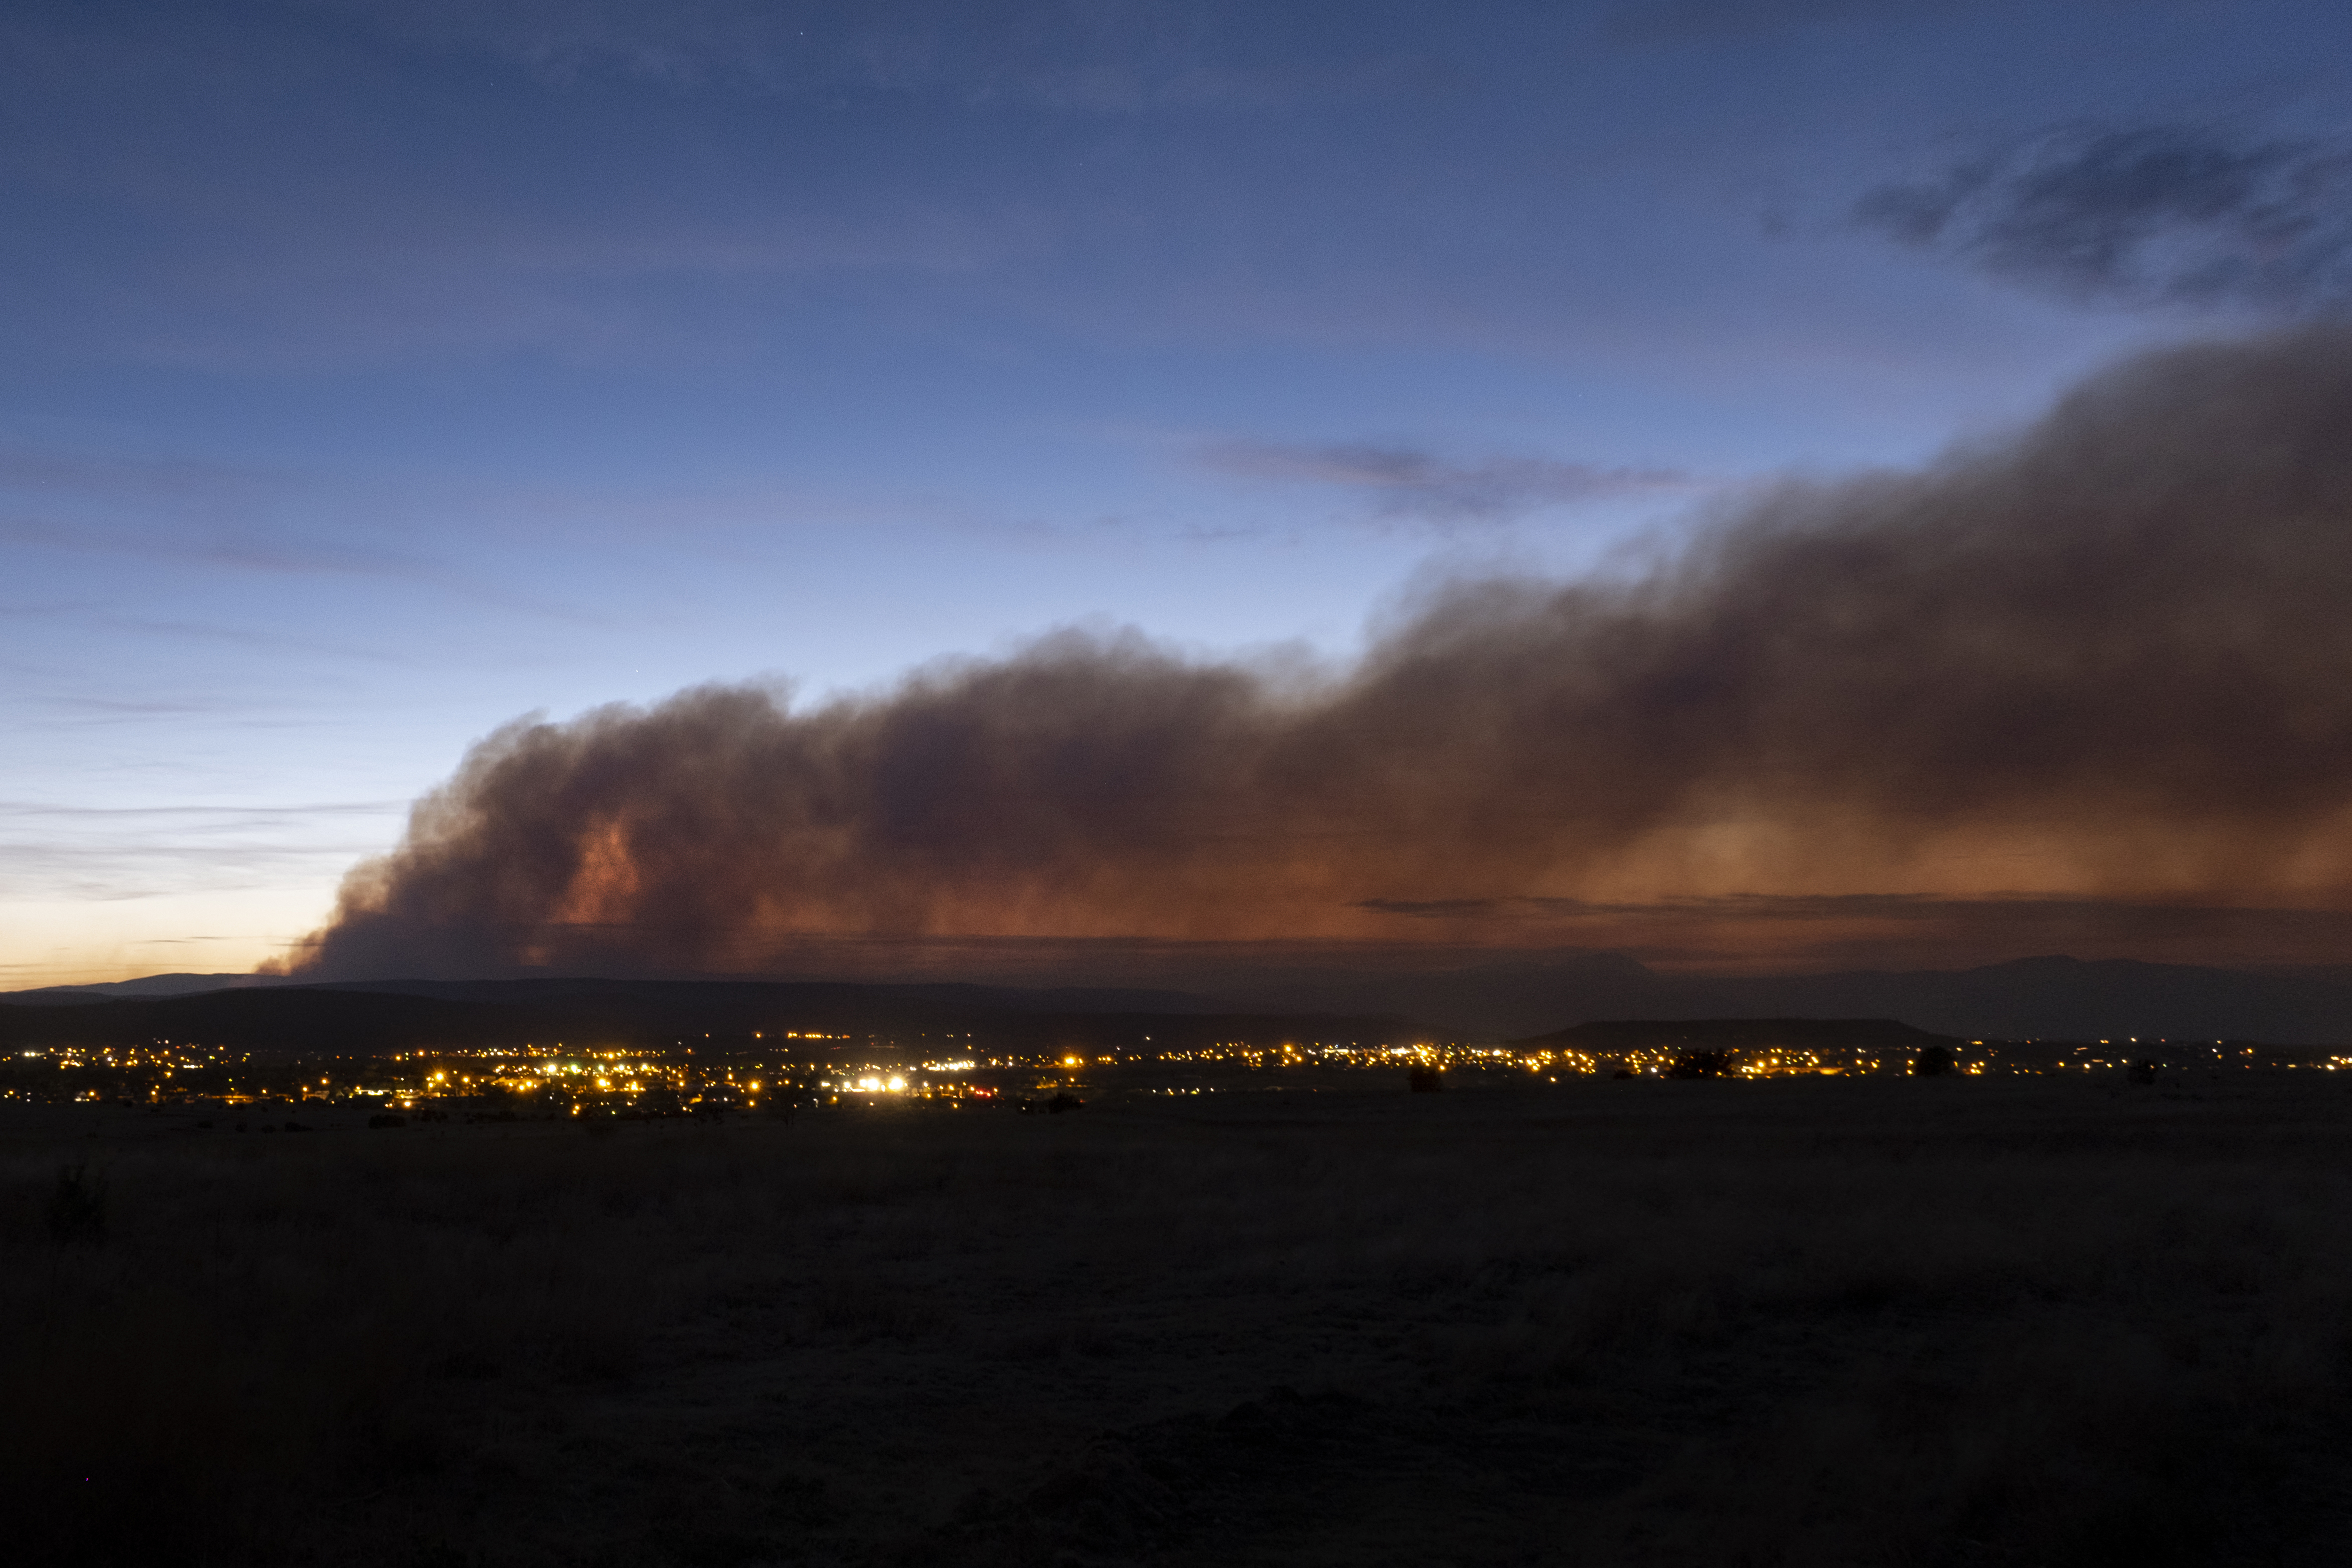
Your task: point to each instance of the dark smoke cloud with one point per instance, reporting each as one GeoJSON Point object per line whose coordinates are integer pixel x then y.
{"type": "Point", "coordinates": [1403, 482]}
{"type": "Point", "coordinates": [2103, 662]}
{"type": "Point", "coordinates": [2166, 214]}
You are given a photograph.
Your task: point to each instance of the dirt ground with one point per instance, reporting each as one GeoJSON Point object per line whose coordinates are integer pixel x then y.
{"type": "Point", "coordinates": [1965, 1321]}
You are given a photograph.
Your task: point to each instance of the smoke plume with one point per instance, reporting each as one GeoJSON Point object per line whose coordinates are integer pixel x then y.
{"type": "Point", "coordinates": [2105, 660]}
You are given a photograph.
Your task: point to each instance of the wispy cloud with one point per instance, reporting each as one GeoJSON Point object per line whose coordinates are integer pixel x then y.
{"type": "Point", "coordinates": [266, 815]}
{"type": "Point", "coordinates": [2175, 214]}
{"type": "Point", "coordinates": [245, 637]}
{"type": "Point", "coordinates": [243, 520]}
{"type": "Point", "coordinates": [114, 852]}
{"type": "Point", "coordinates": [178, 509]}
{"type": "Point", "coordinates": [239, 553]}
{"type": "Point", "coordinates": [183, 483]}
{"type": "Point", "coordinates": [1665, 21]}
{"type": "Point", "coordinates": [1403, 482]}
{"type": "Point", "coordinates": [1134, 56]}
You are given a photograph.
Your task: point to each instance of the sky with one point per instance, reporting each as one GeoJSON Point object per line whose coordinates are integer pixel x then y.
{"type": "Point", "coordinates": [375, 374]}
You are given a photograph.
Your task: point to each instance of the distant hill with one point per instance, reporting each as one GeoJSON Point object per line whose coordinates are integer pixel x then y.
{"type": "Point", "coordinates": [696, 995]}
{"type": "Point", "coordinates": [1613, 1037]}
{"type": "Point", "coordinates": [2070, 999]}
{"type": "Point", "coordinates": [145, 986]}
{"type": "Point", "coordinates": [639, 1015]}
{"type": "Point", "coordinates": [2030, 998]}
{"type": "Point", "coordinates": [1059, 998]}
{"type": "Point", "coordinates": [1511, 995]}
{"type": "Point", "coordinates": [1483, 995]}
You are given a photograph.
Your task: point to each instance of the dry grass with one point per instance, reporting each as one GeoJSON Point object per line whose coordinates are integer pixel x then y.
{"type": "Point", "coordinates": [1800, 1322]}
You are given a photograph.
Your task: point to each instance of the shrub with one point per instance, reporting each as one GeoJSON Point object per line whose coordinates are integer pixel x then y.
{"type": "Point", "coordinates": [77, 1210]}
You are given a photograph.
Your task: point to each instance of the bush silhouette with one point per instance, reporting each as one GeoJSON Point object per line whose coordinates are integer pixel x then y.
{"type": "Point", "coordinates": [77, 1210]}
{"type": "Point", "coordinates": [1932, 1061]}
{"type": "Point", "coordinates": [1426, 1079]}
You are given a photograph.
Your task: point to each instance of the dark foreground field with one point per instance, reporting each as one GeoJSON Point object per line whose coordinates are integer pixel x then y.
{"type": "Point", "coordinates": [1887, 1321]}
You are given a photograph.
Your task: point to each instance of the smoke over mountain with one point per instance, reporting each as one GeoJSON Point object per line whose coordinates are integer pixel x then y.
{"type": "Point", "coordinates": [2105, 660]}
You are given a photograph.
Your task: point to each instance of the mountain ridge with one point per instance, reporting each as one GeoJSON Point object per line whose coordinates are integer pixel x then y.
{"type": "Point", "coordinates": [1508, 996]}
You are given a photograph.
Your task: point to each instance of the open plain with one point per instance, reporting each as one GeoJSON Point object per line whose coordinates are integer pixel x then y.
{"type": "Point", "coordinates": [1962, 1320]}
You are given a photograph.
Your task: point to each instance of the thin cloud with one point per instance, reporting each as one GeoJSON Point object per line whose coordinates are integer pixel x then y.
{"type": "Point", "coordinates": [1137, 57]}
{"type": "Point", "coordinates": [242, 637]}
{"type": "Point", "coordinates": [223, 518]}
{"type": "Point", "coordinates": [250, 815]}
{"type": "Point", "coordinates": [244, 554]}
{"type": "Point", "coordinates": [111, 853]}
{"type": "Point", "coordinates": [2151, 216]}
{"type": "Point", "coordinates": [1403, 482]}
{"type": "Point", "coordinates": [1674, 21]}
{"type": "Point", "coordinates": [184, 484]}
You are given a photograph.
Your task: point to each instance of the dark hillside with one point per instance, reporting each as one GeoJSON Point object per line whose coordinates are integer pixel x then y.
{"type": "Point", "coordinates": [277, 1020]}
{"type": "Point", "coordinates": [1617, 1036]}
{"type": "Point", "coordinates": [649, 1015]}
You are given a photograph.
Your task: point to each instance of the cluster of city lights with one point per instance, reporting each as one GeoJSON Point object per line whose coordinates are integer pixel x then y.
{"type": "Point", "coordinates": [563, 1080]}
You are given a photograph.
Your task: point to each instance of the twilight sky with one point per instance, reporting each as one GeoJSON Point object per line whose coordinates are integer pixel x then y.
{"type": "Point", "coordinates": [374, 372]}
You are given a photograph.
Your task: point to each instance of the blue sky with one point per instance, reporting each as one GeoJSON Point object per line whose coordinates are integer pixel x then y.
{"type": "Point", "coordinates": [371, 372]}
